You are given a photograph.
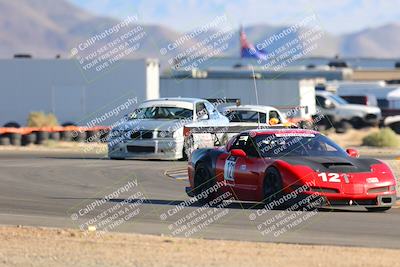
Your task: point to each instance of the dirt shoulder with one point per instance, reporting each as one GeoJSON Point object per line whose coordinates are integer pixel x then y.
{"type": "Point", "coordinates": [29, 246]}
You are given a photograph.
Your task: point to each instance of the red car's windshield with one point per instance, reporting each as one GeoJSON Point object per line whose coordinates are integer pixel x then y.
{"type": "Point", "coordinates": [279, 145]}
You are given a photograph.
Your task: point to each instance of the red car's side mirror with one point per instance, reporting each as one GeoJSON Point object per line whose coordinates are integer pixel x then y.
{"type": "Point", "coordinates": [352, 153]}
{"type": "Point", "coordinates": [238, 153]}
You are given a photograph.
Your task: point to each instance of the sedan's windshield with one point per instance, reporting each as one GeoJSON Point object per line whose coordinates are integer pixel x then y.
{"type": "Point", "coordinates": [245, 116]}
{"type": "Point", "coordinates": [168, 113]}
{"type": "Point", "coordinates": [280, 145]}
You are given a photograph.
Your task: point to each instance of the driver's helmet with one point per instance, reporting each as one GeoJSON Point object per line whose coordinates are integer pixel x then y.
{"type": "Point", "coordinates": [273, 121]}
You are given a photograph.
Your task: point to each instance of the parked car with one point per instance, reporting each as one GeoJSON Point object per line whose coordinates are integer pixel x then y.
{"type": "Point", "coordinates": [341, 115]}
{"type": "Point", "coordinates": [155, 129]}
{"type": "Point", "coordinates": [253, 115]}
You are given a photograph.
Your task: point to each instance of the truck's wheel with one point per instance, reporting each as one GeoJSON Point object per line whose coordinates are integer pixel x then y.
{"type": "Point", "coordinates": [395, 127]}
{"type": "Point", "coordinates": [378, 209]}
{"type": "Point", "coordinates": [357, 123]}
{"type": "Point", "coordinates": [323, 124]}
{"type": "Point", "coordinates": [342, 126]}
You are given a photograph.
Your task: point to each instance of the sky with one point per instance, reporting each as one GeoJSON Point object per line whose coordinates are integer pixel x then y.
{"type": "Point", "coordinates": [337, 17]}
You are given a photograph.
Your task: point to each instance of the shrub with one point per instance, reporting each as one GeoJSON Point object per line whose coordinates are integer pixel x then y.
{"type": "Point", "coordinates": [41, 119]}
{"type": "Point", "coordinates": [384, 138]}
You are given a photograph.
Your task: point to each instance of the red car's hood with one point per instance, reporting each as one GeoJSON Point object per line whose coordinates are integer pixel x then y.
{"type": "Point", "coordinates": [347, 175]}
{"type": "Point", "coordinates": [333, 164]}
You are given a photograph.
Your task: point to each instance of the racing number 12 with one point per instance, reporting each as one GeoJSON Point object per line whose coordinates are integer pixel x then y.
{"type": "Point", "coordinates": [330, 177]}
{"type": "Point", "coordinates": [229, 169]}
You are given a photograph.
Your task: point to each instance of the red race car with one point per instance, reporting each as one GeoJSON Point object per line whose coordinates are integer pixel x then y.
{"type": "Point", "coordinates": [275, 165]}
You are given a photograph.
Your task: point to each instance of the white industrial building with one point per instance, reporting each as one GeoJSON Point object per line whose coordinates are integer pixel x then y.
{"type": "Point", "coordinates": [61, 86]}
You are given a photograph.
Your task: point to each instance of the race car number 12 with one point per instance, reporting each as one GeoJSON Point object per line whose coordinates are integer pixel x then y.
{"type": "Point", "coordinates": [330, 177]}
{"type": "Point", "coordinates": [229, 169]}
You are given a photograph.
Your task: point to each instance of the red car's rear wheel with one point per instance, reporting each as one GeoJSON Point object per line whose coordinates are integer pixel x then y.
{"type": "Point", "coordinates": [203, 182]}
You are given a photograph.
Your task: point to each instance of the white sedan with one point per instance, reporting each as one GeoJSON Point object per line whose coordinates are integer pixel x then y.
{"type": "Point", "coordinates": [155, 129]}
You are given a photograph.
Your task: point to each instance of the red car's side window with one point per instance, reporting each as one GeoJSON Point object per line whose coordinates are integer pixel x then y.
{"type": "Point", "coordinates": [229, 144]}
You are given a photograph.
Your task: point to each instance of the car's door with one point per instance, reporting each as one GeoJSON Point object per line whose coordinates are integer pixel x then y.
{"type": "Point", "coordinates": [241, 174]}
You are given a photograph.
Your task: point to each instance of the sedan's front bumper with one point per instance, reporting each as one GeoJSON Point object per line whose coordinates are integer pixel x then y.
{"type": "Point", "coordinates": [164, 149]}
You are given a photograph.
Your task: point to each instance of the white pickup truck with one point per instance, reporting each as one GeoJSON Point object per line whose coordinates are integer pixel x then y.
{"type": "Point", "coordinates": [155, 129]}
{"type": "Point", "coordinates": [341, 115]}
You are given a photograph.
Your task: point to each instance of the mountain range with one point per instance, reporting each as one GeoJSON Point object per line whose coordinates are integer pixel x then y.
{"type": "Point", "coordinates": [45, 28]}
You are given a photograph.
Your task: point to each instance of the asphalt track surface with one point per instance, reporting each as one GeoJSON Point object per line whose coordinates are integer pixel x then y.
{"type": "Point", "coordinates": [49, 189]}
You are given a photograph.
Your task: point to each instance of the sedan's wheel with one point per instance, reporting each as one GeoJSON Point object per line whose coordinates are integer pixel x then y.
{"type": "Point", "coordinates": [187, 148]}
{"type": "Point", "coordinates": [378, 209]}
{"type": "Point", "coordinates": [203, 183]}
{"type": "Point", "coordinates": [272, 185]}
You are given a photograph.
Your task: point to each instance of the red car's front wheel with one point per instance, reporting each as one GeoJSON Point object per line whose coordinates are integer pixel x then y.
{"type": "Point", "coordinates": [273, 189]}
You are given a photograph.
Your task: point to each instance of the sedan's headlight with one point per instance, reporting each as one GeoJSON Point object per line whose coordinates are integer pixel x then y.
{"type": "Point", "coordinates": [165, 134]}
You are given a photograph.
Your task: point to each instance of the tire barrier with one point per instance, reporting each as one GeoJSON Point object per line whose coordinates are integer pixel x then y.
{"type": "Point", "coordinates": [41, 137]}
{"type": "Point", "coordinates": [56, 136]}
{"type": "Point", "coordinates": [79, 136]}
{"type": "Point", "coordinates": [32, 135]}
{"type": "Point", "coordinates": [104, 135]}
{"type": "Point", "coordinates": [93, 136]}
{"type": "Point", "coordinates": [66, 136]}
{"type": "Point", "coordinates": [15, 139]}
{"type": "Point", "coordinates": [4, 140]}
{"type": "Point", "coordinates": [28, 139]}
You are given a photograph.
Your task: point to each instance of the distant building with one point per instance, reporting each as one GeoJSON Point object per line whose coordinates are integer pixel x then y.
{"type": "Point", "coordinates": [61, 86]}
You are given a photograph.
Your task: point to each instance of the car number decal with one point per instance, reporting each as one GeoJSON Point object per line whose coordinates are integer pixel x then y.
{"type": "Point", "coordinates": [331, 177]}
{"type": "Point", "coordinates": [229, 169]}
